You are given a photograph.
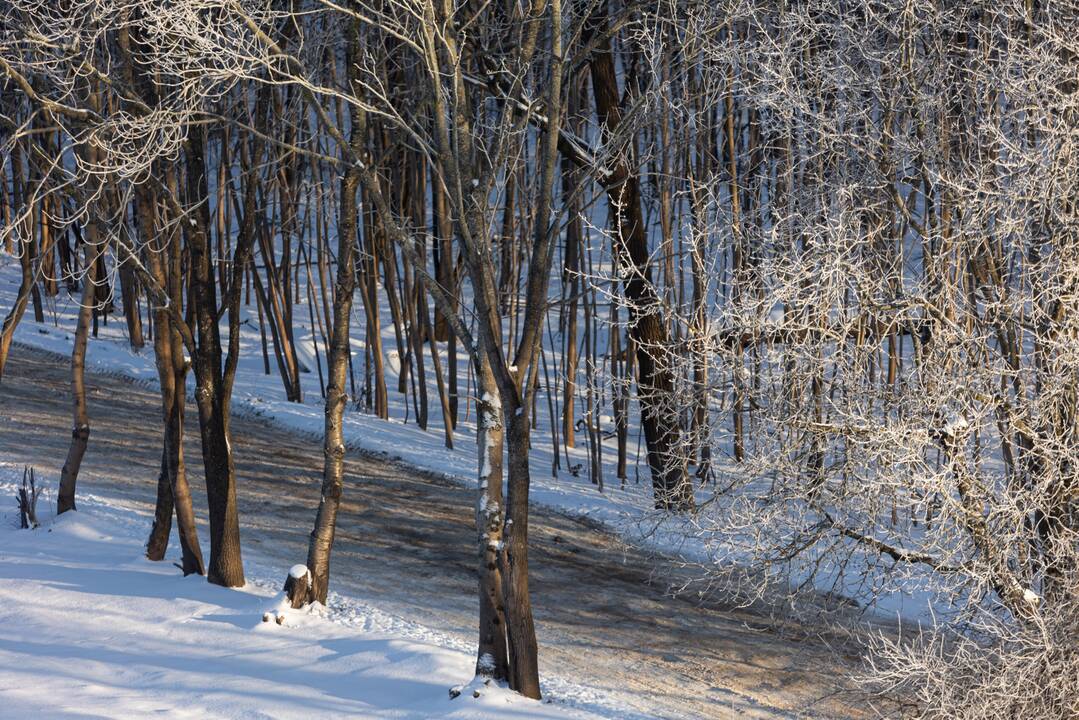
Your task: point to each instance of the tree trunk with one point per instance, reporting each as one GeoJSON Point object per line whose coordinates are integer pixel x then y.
{"type": "Point", "coordinates": [492, 659]}
{"type": "Point", "coordinates": [172, 378]}
{"type": "Point", "coordinates": [158, 542]}
{"type": "Point", "coordinates": [7, 331]}
{"type": "Point", "coordinates": [368, 281]}
{"type": "Point", "coordinates": [130, 301]}
{"type": "Point", "coordinates": [333, 442]}
{"type": "Point", "coordinates": [226, 564]}
{"type": "Point", "coordinates": [80, 432]}
{"type": "Point", "coordinates": [671, 486]}
{"type": "Point", "coordinates": [192, 562]}
{"type": "Point", "coordinates": [521, 633]}
{"type": "Point", "coordinates": [11, 321]}
{"type": "Point", "coordinates": [93, 254]}
{"type": "Point", "coordinates": [570, 284]}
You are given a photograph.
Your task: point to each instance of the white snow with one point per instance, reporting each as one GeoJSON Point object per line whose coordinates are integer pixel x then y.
{"type": "Point", "coordinates": [399, 437]}
{"type": "Point", "coordinates": [486, 663]}
{"type": "Point", "coordinates": [624, 507]}
{"type": "Point", "coordinates": [89, 628]}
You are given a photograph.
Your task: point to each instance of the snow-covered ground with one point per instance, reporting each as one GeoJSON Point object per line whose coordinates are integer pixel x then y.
{"type": "Point", "coordinates": [624, 509]}
{"type": "Point", "coordinates": [619, 508]}
{"type": "Point", "coordinates": [90, 628]}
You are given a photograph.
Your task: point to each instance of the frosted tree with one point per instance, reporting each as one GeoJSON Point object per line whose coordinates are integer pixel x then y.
{"type": "Point", "coordinates": [880, 202]}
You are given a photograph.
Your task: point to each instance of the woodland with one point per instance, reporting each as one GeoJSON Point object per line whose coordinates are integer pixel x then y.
{"type": "Point", "coordinates": [809, 269]}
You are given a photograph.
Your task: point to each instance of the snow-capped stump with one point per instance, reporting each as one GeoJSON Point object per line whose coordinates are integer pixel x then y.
{"type": "Point", "coordinates": [475, 687]}
{"type": "Point", "coordinates": [297, 585]}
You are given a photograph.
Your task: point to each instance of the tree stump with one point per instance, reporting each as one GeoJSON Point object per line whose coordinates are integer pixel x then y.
{"type": "Point", "coordinates": [298, 586]}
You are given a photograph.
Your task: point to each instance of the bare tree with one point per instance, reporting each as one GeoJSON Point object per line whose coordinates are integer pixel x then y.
{"type": "Point", "coordinates": [832, 245]}
{"type": "Point", "coordinates": [895, 224]}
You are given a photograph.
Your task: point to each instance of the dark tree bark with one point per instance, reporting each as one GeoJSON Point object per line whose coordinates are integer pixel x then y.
{"type": "Point", "coordinates": [671, 486]}
{"type": "Point", "coordinates": [492, 658]}
{"type": "Point", "coordinates": [523, 648]}
{"type": "Point", "coordinates": [367, 271]}
{"type": "Point", "coordinates": [212, 388]}
{"type": "Point", "coordinates": [158, 542]}
{"type": "Point", "coordinates": [165, 266]}
{"type": "Point", "coordinates": [570, 285]}
{"type": "Point", "coordinates": [26, 283]}
{"type": "Point", "coordinates": [129, 298]}
{"type": "Point", "coordinates": [80, 432]}
{"type": "Point", "coordinates": [162, 269]}
{"type": "Point", "coordinates": [93, 254]}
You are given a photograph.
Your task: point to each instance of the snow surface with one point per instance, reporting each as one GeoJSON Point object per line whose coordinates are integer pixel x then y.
{"type": "Point", "coordinates": [625, 509]}
{"type": "Point", "coordinates": [90, 628]}
{"type": "Point", "coordinates": [619, 508]}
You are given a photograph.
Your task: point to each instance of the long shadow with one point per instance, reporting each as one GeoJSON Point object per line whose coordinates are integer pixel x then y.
{"type": "Point", "coordinates": [273, 681]}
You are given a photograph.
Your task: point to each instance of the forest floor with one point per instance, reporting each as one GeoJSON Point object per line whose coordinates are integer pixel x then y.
{"type": "Point", "coordinates": [89, 628]}
{"type": "Point", "coordinates": [612, 641]}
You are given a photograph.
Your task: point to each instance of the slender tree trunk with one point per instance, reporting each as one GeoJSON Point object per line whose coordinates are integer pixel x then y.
{"type": "Point", "coordinates": [130, 303]}
{"type": "Point", "coordinates": [80, 432]}
{"type": "Point", "coordinates": [671, 486]}
{"type": "Point", "coordinates": [436, 367]}
{"type": "Point", "coordinates": [444, 261]}
{"type": "Point", "coordinates": [192, 562]}
{"type": "Point", "coordinates": [446, 273]}
{"type": "Point", "coordinates": [26, 284]}
{"type": "Point", "coordinates": [333, 442]}
{"type": "Point", "coordinates": [368, 271]}
{"type": "Point", "coordinates": [571, 284]}
{"type": "Point", "coordinates": [18, 309]}
{"type": "Point", "coordinates": [699, 344]}
{"type": "Point", "coordinates": [492, 657]}
{"type": "Point", "coordinates": [158, 542]}
{"type": "Point", "coordinates": [417, 329]}
{"type": "Point", "coordinates": [738, 262]}
{"type": "Point", "coordinates": [165, 266]}
{"type": "Point", "coordinates": [93, 253]}
{"type": "Point", "coordinates": [6, 210]}
{"type": "Point", "coordinates": [521, 635]}
{"type": "Point", "coordinates": [47, 255]}
{"type": "Point", "coordinates": [275, 300]}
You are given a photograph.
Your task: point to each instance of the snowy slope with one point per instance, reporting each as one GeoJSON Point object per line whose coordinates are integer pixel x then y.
{"type": "Point", "coordinates": [620, 508]}
{"type": "Point", "coordinates": [626, 510]}
{"type": "Point", "coordinates": [89, 628]}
